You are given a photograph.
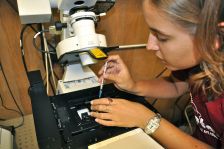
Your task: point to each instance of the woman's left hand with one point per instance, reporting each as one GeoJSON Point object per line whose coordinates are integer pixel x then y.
{"type": "Point", "coordinates": [120, 112]}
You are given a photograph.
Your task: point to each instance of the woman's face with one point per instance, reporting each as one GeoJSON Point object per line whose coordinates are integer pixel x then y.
{"type": "Point", "coordinates": [172, 44]}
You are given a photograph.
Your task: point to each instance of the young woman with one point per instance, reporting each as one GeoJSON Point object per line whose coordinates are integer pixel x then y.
{"type": "Point", "coordinates": [187, 37]}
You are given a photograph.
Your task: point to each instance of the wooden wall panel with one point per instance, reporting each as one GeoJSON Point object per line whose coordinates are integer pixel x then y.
{"type": "Point", "coordinates": [123, 25]}
{"type": "Point", "coordinates": [11, 61]}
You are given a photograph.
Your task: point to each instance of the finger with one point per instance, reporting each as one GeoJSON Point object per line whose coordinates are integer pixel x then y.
{"type": "Point", "coordinates": [109, 71]}
{"type": "Point", "coordinates": [101, 101]}
{"type": "Point", "coordinates": [105, 122]}
{"type": "Point", "coordinates": [114, 71]}
{"type": "Point", "coordinates": [112, 77]}
{"type": "Point", "coordinates": [102, 69]}
{"type": "Point", "coordinates": [100, 108]}
{"type": "Point", "coordinates": [110, 65]}
{"type": "Point", "coordinates": [100, 79]}
{"type": "Point", "coordinates": [112, 61]}
{"type": "Point", "coordinates": [105, 116]}
{"type": "Point", "coordinates": [115, 58]}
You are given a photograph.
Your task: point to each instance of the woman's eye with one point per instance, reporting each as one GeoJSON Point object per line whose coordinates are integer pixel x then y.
{"type": "Point", "coordinates": [159, 37]}
{"type": "Point", "coordinates": [162, 39]}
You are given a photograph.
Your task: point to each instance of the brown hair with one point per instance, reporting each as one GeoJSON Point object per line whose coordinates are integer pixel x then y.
{"type": "Point", "coordinates": [201, 18]}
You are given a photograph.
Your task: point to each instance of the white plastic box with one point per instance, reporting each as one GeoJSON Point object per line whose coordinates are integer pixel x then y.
{"type": "Point", "coordinates": [34, 11]}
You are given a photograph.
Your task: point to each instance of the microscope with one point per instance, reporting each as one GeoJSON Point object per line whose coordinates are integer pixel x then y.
{"type": "Point", "coordinates": [79, 44]}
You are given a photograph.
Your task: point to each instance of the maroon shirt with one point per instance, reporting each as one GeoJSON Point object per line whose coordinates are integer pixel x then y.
{"type": "Point", "coordinates": [209, 115]}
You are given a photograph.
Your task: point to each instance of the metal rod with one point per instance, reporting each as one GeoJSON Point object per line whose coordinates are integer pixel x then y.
{"type": "Point", "coordinates": [132, 46]}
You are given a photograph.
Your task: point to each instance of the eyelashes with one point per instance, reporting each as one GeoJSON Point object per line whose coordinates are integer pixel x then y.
{"type": "Point", "coordinates": [158, 36]}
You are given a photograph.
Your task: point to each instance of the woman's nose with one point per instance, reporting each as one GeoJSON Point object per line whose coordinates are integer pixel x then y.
{"type": "Point", "coordinates": [152, 43]}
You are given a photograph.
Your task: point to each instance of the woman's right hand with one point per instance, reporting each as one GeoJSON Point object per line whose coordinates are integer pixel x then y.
{"type": "Point", "coordinates": [118, 72]}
